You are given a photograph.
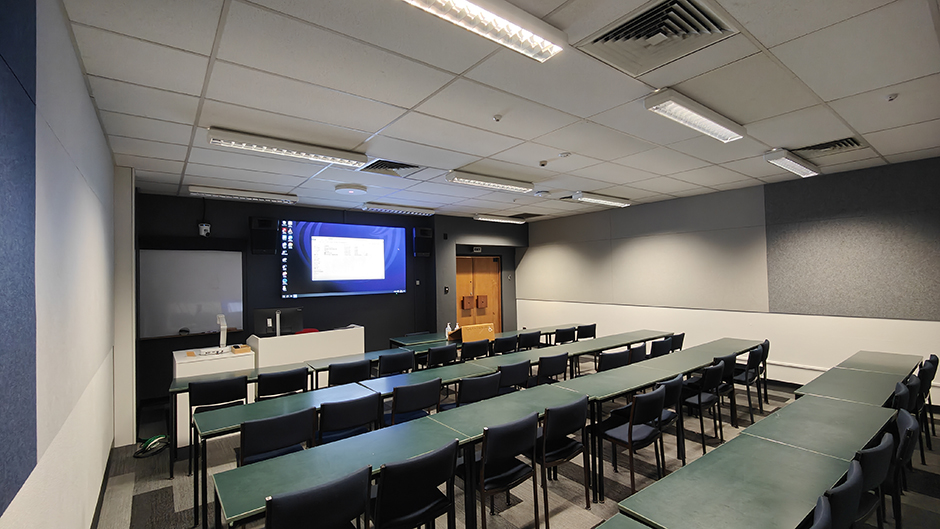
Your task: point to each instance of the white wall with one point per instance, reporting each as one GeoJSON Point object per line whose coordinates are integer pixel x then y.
{"type": "Point", "coordinates": [125, 306]}
{"type": "Point", "coordinates": [74, 291]}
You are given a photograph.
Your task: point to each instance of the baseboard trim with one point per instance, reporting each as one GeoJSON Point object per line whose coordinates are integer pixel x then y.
{"type": "Point", "coordinates": [104, 485]}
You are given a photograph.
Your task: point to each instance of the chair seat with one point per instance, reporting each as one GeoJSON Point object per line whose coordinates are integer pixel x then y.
{"type": "Point", "coordinates": [707, 400]}
{"type": "Point", "coordinates": [405, 417]}
{"type": "Point", "coordinates": [268, 455]}
{"type": "Point", "coordinates": [329, 437]}
{"type": "Point", "coordinates": [867, 504]}
{"type": "Point", "coordinates": [430, 502]}
{"type": "Point", "coordinates": [561, 452]}
{"type": "Point", "coordinates": [506, 474]}
{"type": "Point", "coordinates": [643, 434]}
{"type": "Point", "coordinates": [743, 378]}
{"type": "Point", "coordinates": [668, 417]}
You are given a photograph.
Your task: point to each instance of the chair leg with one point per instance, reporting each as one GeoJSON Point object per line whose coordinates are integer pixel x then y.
{"type": "Point", "coordinates": [721, 430]}
{"type": "Point", "coordinates": [587, 481]}
{"type": "Point", "coordinates": [734, 407]}
{"type": "Point", "coordinates": [701, 423]}
{"type": "Point", "coordinates": [680, 435]}
{"type": "Point", "coordinates": [760, 401]}
{"type": "Point", "coordinates": [659, 472]}
{"type": "Point", "coordinates": [921, 443]}
{"type": "Point", "coordinates": [535, 496]}
{"type": "Point", "coordinates": [925, 427]}
{"type": "Point", "coordinates": [545, 493]}
{"type": "Point", "coordinates": [750, 407]}
{"type": "Point", "coordinates": [613, 455]}
{"type": "Point", "coordinates": [632, 474]}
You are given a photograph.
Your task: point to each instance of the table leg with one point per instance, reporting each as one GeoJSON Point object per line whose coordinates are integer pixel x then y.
{"type": "Point", "coordinates": [205, 481]}
{"type": "Point", "coordinates": [593, 451]}
{"type": "Point", "coordinates": [218, 510]}
{"type": "Point", "coordinates": [172, 439]}
{"type": "Point", "coordinates": [195, 456]}
{"type": "Point", "coordinates": [600, 457]}
{"type": "Point", "coordinates": [470, 485]}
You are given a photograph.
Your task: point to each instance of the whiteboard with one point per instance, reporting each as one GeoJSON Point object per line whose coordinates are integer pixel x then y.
{"type": "Point", "coordinates": [187, 289]}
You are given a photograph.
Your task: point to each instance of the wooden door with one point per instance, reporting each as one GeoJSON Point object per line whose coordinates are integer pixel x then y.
{"type": "Point", "coordinates": [479, 295]}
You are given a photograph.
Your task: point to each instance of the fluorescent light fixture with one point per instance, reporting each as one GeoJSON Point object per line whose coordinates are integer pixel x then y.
{"type": "Point", "coordinates": [376, 207]}
{"type": "Point", "coordinates": [351, 189]}
{"type": "Point", "coordinates": [241, 194]}
{"type": "Point", "coordinates": [600, 200]}
{"type": "Point", "coordinates": [490, 182]}
{"type": "Point", "coordinates": [496, 218]}
{"type": "Point", "coordinates": [787, 160]}
{"type": "Point", "coordinates": [315, 153]}
{"type": "Point", "coordinates": [675, 106]}
{"type": "Point", "coordinates": [500, 22]}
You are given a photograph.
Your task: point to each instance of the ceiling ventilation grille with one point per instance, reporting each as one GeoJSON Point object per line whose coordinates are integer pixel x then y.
{"type": "Point", "coordinates": [390, 168]}
{"type": "Point", "coordinates": [830, 147]}
{"type": "Point", "coordinates": [657, 34]}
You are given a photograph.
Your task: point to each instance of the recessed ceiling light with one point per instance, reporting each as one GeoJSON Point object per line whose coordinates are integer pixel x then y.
{"type": "Point", "coordinates": [497, 218]}
{"type": "Point", "coordinates": [241, 194]}
{"type": "Point", "coordinates": [250, 142]}
{"type": "Point", "coordinates": [600, 200]}
{"type": "Point", "coordinates": [490, 182]}
{"type": "Point", "coordinates": [675, 106]}
{"type": "Point", "coordinates": [376, 207]}
{"type": "Point", "coordinates": [787, 160]}
{"type": "Point", "coordinates": [351, 189]}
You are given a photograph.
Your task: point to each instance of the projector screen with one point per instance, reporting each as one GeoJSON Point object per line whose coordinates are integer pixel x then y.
{"type": "Point", "coordinates": [324, 259]}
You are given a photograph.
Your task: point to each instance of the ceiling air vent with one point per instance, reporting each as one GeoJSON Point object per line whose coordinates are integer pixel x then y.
{"type": "Point", "coordinates": [656, 34]}
{"type": "Point", "coordinates": [830, 147]}
{"type": "Point", "coordinates": [390, 168]}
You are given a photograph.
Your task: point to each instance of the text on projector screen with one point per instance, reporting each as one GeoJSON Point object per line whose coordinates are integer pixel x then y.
{"type": "Point", "coordinates": [345, 258]}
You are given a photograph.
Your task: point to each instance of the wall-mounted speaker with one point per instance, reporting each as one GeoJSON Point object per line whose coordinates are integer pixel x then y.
{"type": "Point", "coordinates": [263, 236]}
{"type": "Point", "coordinates": [423, 242]}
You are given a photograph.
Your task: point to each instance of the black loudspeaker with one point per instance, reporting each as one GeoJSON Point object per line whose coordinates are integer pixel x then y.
{"type": "Point", "coordinates": [263, 236]}
{"type": "Point", "coordinates": [424, 242]}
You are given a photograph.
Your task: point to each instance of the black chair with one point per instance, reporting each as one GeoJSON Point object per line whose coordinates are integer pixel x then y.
{"type": "Point", "coordinates": [408, 492]}
{"type": "Point", "coordinates": [331, 505]}
{"type": "Point", "coordinates": [551, 368]}
{"type": "Point", "coordinates": [271, 385]}
{"type": "Point", "coordinates": [660, 347]}
{"type": "Point", "coordinates": [726, 388]}
{"type": "Point", "coordinates": [514, 376]}
{"type": "Point", "coordinates": [396, 363]}
{"type": "Point", "coordinates": [677, 340]}
{"type": "Point", "coordinates": [641, 431]}
{"type": "Point", "coordinates": [751, 377]}
{"type": "Point", "coordinates": [673, 416]}
{"type": "Point", "coordinates": [763, 369]}
{"type": "Point", "coordinates": [926, 374]}
{"type": "Point", "coordinates": [908, 431]}
{"type": "Point", "coordinates": [612, 360]}
{"type": "Point", "coordinates": [339, 420]}
{"type": "Point", "coordinates": [442, 356]}
{"type": "Point", "coordinates": [504, 345]}
{"type": "Point", "coordinates": [901, 396]}
{"type": "Point", "coordinates": [638, 353]}
{"type": "Point", "coordinates": [555, 447]}
{"type": "Point", "coordinates": [214, 395]}
{"type": "Point", "coordinates": [349, 372]}
{"type": "Point", "coordinates": [413, 401]}
{"type": "Point", "coordinates": [276, 436]}
{"type": "Point", "coordinates": [875, 462]}
{"type": "Point", "coordinates": [566, 335]}
{"type": "Point", "coordinates": [914, 385]}
{"type": "Point", "coordinates": [586, 331]}
{"type": "Point", "coordinates": [475, 389]}
{"type": "Point", "coordinates": [499, 469]}
{"type": "Point", "coordinates": [822, 514]}
{"type": "Point", "coordinates": [927, 385]}
{"type": "Point", "coordinates": [529, 340]}
{"type": "Point", "coordinates": [844, 498]}
{"type": "Point", "coordinates": [471, 350]}
{"type": "Point", "coordinates": [707, 398]}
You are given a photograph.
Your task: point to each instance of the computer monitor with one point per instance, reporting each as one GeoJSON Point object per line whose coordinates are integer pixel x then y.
{"type": "Point", "coordinates": [266, 321]}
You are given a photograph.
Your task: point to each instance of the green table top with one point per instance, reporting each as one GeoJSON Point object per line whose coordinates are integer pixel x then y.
{"type": "Point", "coordinates": [472, 418]}
{"type": "Point", "coordinates": [895, 364]}
{"type": "Point", "coordinates": [532, 355]}
{"type": "Point", "coordinates": [611, 342]}
{"type": "Point", "coordinates": [422, 348]}
{"type": "Point", "coordinates": [832, 427]}
{"type": "Point", "coordinates": [322, 364]}
{"type": "Point", "coordinates": [181, 385]}
{"type": "Point", "coordinates": [867, 387]}
{"type": "Point", "coordinates": [447, 374]}
{"type": "Point", "coordinates": [620, 521]}
{"type": "Point", "coordinates": [746, 482]}
{"type": "Point", "coordinates": [616, 382]}
{"type": "Point", "coordinates": [242, 491]}
{"type": "Point", "coordinates": [217, 422]}
{"type": "Point", "coordinates": [693, 358]}
{"type": "Point", "coordinates": [418, 339]}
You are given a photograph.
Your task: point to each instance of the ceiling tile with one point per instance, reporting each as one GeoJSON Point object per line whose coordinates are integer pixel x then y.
{"type": "Point", "coordinates": [436, 132]}
{"type": "Point", "coordinates": [242, 175]}
{"type": "Point", "coordinates": [509, 170]}
{"type": "Point", "coordinates": [373, 194]}
{"type": "Point", "coordinates": [693, 192]}
{"type": "Point", "coordinates": [628, 192]}
{"type": "Point", "coordinates": [914, 155]}
{"type": "Point", "coordinates": [533, 154]}
{"type": "Point", "coordinates": [511, 198]}
{"type": "Point", "coordinates": [917, 100]}
{"type": "Point", "coordinates": [747, 182]}
{"type": "Point", "coordinates": [146, 148]}
{"type": "Point", "coordinates": [852, 166]}
{"type": "Point", "coordinates": [800, 129]}
{"type": "Point", "coordinates": [328, 204]}
{"type": "Point", "coordinates": [714, 56]}
{"type": "Point", "coordinates": [337, 175]}
{"type": "Point", "coordinates": [869, 51]}
{"type": "Point", "coordinates": [571, 82]}
{"type": "Point", "coordinates": [422, 199]}
{"type": "Point", "coordinates": [483, 206]}
{"type": "Point", "coordinates": [633, 118]}
{"type": "Point", "coordinates": [537, 8]}
{"type": "Point", "coordinates": [235, 184]}
{"type": "Point", "coordinates": [582, 18]}
{"type": "Point", "coordinates": [844, 157]}
{"type": "Point", "coordinates": [614, 173]}
{"type": "Point", "coordinates": [906, 139]}
{"type": "Point", "coordinates": [156, 188]}
{"type": "Point", "coordinates": [142, 101]}
{"type": "Point", "coordinates": [427, 174]}
{"type": "Point", "coordinates": [144, 128]}
{"type": "Point", "coordinates": [123, 58]}
{"type": "Point", "coordinates": [709, 176]}
{"type": "Point", "coordinates": [755, 167]}
{"type": "Point", "coordinates": [571, 183]}
{"type": "Point", "coordinates": [714, 151]}
{"type": "Point", "coordinates": [783, 177]}
{"type": "Point", "coordinates": [382, 23]}
{"type": "Point", "coordinates": [252, 88]}
{"type": "Point", "coordinates": [448, 189]}
{"type": "Point", "coordinates": [596, 141]}
{"type": "Point", "coordinates": [179, 23]}
{"type": "Point", "coordinates": [413, 153]}
{"type": "Point", "coordinates": [148, 164]}
{"type": "Point", "coordinates": [749, 90]}
{"type": "Point", "coordinates": [281, 45]}
{"type": "Point", "coordinates": [662, 161]}
{"type": "Point", "coordinates": [205, 154]}
{"type": "Point", "coordinates": [227, 116]}
{"type": "Point", "coordinates": [475, 104]}
{"type": "Point", "coordinates": [153, 176]}
{"type": "Point", "coordinates": [663, 184]}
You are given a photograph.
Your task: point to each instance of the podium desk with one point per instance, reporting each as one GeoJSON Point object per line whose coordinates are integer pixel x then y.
{"type": "Point", "coordinates": [298, 348]}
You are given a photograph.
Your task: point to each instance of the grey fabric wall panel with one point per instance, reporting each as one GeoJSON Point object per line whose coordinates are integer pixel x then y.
{"type": "Point", "coordinates": [862, 243]}
{"type": "Point", "coordinates": [579, 228]}
{"type": "Point", "coordinates": [566, 272]}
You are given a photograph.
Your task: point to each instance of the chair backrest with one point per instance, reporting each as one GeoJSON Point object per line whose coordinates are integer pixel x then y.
{"type": "Point", "coordinates": [844, 498]}
{"type": "Point", "coordinates": [660, 347]}
{"type": "Point", "coordinates": [876, 462]}
{"type": "Point", "coordinates": [913, 387]}
{"type": "Point", "coordinates": [562, 421]}
{"type": "Point", "coordinates": [514, 374]}
{"type": "Point", "coordinates": [727, 376]}
{"type": "Point", "coordinates": [613, 359]}
{"type": "Point", "coordinates": [218, 391]}
{"type": "Point", "coordinates": [926, 374]}
{"type": "Point", "coordinates": [474, 389]}
{"type": "Point", "coordinates": [677, 340]}
{"type": "Point", "coordinates": [587, 331]}
{"type": "Point", "coordinates": [766, 348]}
{"type": "Point", "coordinates": [712, 376]}
{"type": "Point", "coordinates": [638, 353]}
{"type": "Point", "coordinates": [754, 359]}
{"type": "Point", "coordinates": [349, 372]}
{"type": "Point", "coordinates": [408, 490]}
{"type": "Point", "coordinates": [822, 515]}
{"type": "Point", "coordinates": [506, 441]}
{"type": "Point", "coordinates": [347, 414]}
{"type": "Point", "coordinates": [901, 396]}
{"type": "Point", "coordinates": [908, 433]}
{"type": "Point", "coordinates": [565, 335]}
{"type": "Point", "coordinates": [416, 397]}
{"type": "Point", "coordinates": [673, 391]}
{"type": "Point", "coordinates": [648, 407]}
{"type": "Point", "coordinates": [504, 345]}
{"type": "Point", "coordinates": [396, 363]}
{"type": "Point", "coordinates": [443, 355]}
{"type": "Point", "coordinates": [933, 359]}
{"type": "Point", "coordinates": [333, 504]}
{"type": "Point", "coordinates": [272, 385]}
{"type": "Point", "coordinates": [471, 350]}
{"type": "Point", "coordinates": [528, 340]}
{"type": "Point", "coordinates": [265, 438]}
{"type": "Point", "coordinates": [552, 366]}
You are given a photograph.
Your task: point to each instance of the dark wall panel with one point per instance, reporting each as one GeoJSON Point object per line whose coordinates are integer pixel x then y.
{"type": "Point", "coordinates": [17, 265]}
{"type": "Point", "coordinates": [862, 243]}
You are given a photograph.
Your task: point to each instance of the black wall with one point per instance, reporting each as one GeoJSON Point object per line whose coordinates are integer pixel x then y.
{"type": "Point", "coordinates": [171, 223]}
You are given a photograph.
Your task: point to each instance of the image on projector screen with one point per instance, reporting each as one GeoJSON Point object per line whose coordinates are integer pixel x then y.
{"type": "Point", "coordinates": [346, 258]}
